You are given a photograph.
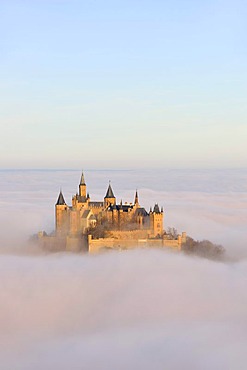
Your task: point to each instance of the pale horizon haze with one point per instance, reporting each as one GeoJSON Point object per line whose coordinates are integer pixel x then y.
{"type": "Point", "coordinates": [126, 84]}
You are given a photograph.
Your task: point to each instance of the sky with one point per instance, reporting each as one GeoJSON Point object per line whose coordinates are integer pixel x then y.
{"type": "Point", "coordinates": [123, 84]}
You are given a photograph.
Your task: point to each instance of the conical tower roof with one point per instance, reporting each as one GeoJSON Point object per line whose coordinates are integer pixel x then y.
{"type": "Point", "coordinates": [136, 198]}
{"type": "Point", "coordinates": [60, 199]}
{"type": "Point", "coordinates": [82, 182]}
{"type": "Point", "coordinates": [156, 208]}
{"type": "Point", "coordinates": [109, 193]}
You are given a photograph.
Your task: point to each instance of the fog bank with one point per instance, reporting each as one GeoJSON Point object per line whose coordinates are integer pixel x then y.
{"type": "Point", "coordinates": [140, 309]}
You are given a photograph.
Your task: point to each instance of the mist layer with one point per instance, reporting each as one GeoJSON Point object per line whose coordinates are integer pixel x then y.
{"type": "Point", "coordinates": [140, 309]}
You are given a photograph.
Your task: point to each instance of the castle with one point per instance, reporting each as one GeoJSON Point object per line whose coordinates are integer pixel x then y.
{"type": "Point", "coordinates": [92, 226]}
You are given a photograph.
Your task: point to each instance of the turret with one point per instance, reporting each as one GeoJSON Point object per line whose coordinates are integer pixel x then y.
{"type": "Point", "coordinates": [61, 215]}
{"type": "Point", "coordinates": [156, 221]}
{"type": "Point", "coordinates": [109, 198]}
{"type": "Point", "coordinates": [82, 187]}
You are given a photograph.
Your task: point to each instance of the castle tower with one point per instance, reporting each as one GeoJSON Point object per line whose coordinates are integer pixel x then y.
{"type": "Point", "coordinates": [61, 209]}
{"type": "Point", "coordinates": [156, 221]}
{"type": "Point", "coordinates": [109, 197]}
{"type": "Point", "coordinates": [82, 187]}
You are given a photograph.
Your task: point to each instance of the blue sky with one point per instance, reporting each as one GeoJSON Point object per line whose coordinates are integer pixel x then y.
{"type": "Point", "coordinates": [123, 84]}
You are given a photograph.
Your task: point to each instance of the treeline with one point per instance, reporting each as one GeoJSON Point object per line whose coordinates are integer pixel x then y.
{"type": "Point", "coordinates": [203, 248]}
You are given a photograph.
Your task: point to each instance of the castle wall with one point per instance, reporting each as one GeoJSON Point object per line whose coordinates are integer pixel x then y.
{"type": "Point", "coordinates": [79, 206]}
{"type": "Point", "coordinates": [95, 210]}
{"type": "Point", "coordinates": [130, 240]}
{"type": "Point", "coordinates": [129, 234]}
{"type": "Point", "coordinates": [97, 245]}
{"type": "Point", "coordinates": [172, 243]}
{"type": "Point", "coordinates": [76, 244]}
{"type": "Point", "coordinates": [52, 243]}
{"type": "Point", "coordinates": [83, 224]}
{"type": "Point", "coordinates": [175, 243]}
{"type": "Point", "coordinates": [102, 244]}
{"type": "Point", "coordinates": [74, 222]}
{"type": "Point", "coordinates": [124, 240]}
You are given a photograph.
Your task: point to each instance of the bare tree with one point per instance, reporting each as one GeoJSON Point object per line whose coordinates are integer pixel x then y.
{"type": "Point", "coordinates": [172, 232]}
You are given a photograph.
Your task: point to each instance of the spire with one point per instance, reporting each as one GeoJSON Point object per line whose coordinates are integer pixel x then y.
{"type": "Point", "coordinates": [109, 193]}
{"type": "Point", "coordinates": [60, 199]}
{"type": "Point", "coordinates": [82, 182]}
{"type": "Point", "coordinates": [82, 188]}
{"type": "Point", "coordinates": [121, 205]}
{"type": "Point", "coordinates": [136, 198]}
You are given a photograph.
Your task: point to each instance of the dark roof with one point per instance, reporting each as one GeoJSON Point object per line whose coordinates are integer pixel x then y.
{"type": "Point", "coordinates": [82, 182]}
{"type": "Point", "coordinates": [80, 198]}
{"type": "Point", "coordinates": [136, 197]}
{"type": "Point", "coordinates": [109, 193]}
{"type": "Point", "coordinates": [156, 208]}
{"type": "Point", "coordinates": [141, 212]}
{"type": "Point", "coordinates": [123, 207]}
{"type": "Point", "coordinates": [126, 207]}
{"type": "Point", "coordinates": [60, 199]}
{"type": "Point", "coordinates": [86, 213]}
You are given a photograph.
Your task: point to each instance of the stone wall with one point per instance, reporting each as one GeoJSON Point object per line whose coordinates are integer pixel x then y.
{"type": "Point", "coordinates": [52, 243]}
{"type": "Point", "coordinates": [129, 234]}
{"type": "Point", "coordinates": [112, 243]}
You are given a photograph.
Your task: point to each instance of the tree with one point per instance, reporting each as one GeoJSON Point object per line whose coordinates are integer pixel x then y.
{"type": "Point", "coordinates": [172, 232]}
{"type": "Point", "coordinates": [203, 248]}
